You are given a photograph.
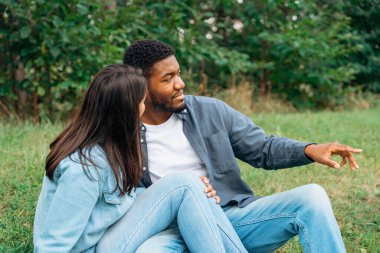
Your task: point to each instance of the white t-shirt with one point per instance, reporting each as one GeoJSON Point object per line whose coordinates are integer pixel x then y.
{"type": "Point", "coordinates": [170, 151]}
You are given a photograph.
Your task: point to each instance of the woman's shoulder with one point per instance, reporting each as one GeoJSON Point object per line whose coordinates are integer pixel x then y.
{"type": "Point", "coordinates": [89, 161]}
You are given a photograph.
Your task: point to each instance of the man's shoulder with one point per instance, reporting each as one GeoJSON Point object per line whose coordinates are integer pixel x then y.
{"type": "Point", "coordinates": [203, 107]}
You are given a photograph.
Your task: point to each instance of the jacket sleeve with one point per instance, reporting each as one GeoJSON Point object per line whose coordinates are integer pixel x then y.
{"type": "Point", "coordinates": [251, 145]}
{"type": "Point", "coordinates": [70, 208]}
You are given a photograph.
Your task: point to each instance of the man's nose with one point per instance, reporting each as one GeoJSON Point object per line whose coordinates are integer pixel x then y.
{"type": "Point", "coordinates": [179, 84]}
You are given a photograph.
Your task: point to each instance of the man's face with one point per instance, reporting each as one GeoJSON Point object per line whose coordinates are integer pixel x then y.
{"type": "Point", "coordinates": [165, 91]}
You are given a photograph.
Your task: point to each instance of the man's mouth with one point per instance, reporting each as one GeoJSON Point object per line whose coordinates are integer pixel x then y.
{"type": "Point", "coordinates": [179, 94]}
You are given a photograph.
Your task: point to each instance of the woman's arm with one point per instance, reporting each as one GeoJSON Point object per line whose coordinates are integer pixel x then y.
{"type": "Point", "coordinates": [70, 208]}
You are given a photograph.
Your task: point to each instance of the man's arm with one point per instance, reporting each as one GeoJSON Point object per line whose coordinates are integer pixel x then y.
{"type": "Point", "coordinates": [252, 145]}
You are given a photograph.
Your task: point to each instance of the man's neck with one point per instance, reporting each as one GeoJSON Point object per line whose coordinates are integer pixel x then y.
{"type": "Point", "coordinates": [152, 116]}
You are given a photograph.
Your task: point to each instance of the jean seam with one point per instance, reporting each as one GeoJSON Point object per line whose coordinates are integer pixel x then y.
{"type": "Point", "coordinates": [265, 218]}
{"type": "Point", "coordinates": [155, 206]}
{"type": "Point", "coordinates": [229, 238]}
{"type": "Point", "coordinates": [277, 216]}
{"type": "Point", "coordinates": [302, 227]}
{"type": "Point", "coordinates": [200, 207]}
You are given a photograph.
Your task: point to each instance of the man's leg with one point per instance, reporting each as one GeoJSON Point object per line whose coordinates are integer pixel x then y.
{"type": "Point", "coordinates": [168, 241]}
{"type": "Point", "coordinates": [271, 221]}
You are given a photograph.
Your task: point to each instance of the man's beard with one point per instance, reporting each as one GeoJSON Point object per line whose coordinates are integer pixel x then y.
{"type": "Point", "coordinates": [164, 105]}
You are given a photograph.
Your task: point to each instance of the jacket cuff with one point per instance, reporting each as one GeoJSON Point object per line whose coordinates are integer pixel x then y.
{"type": "Point", "coordinates": [308, 159]}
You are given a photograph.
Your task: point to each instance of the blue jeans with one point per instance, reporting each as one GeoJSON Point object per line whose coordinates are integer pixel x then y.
{"type": "Point", "coordinates": [177, 198]}
{"type": "Point", "coordinates": [269, 222]}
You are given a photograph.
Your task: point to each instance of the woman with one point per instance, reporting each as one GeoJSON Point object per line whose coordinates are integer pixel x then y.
{"type": "Point", "coordinates": [90, 200]}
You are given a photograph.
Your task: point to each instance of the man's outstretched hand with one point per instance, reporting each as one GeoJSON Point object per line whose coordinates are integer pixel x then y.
{"type": "Point", "coordinates": [321, 153]}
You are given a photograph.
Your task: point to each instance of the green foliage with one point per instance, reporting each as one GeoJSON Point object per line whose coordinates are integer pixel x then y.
{"type": "Point", "coordinates": [365, 16]}
{"type": "Point", "coordinates": [55, 47]}
{"type": "Point", "coordinates": [308, 52]}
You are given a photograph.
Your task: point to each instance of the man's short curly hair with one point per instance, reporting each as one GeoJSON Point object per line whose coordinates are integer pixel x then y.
{"type": "Point", "coordinates": [145, 53]}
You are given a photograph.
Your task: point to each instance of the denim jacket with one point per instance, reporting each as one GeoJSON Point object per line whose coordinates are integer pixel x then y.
{"type": "Point", "coordinates": [219, 134]}
{"type": "Point", "coordinates": [74, 209]}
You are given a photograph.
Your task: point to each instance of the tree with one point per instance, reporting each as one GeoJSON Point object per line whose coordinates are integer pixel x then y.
{"type": "Point", "coordinates": [49, 51]}
{"type": "Point", "coordinates": [365, 19]}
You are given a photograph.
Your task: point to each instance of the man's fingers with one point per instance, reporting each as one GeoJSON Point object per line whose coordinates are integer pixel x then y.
{"type": "Point", "coordinates": [208, 188]}
{"type": "Point", "coordinates": [335, 165]}
{"type": "Point", "coordinates": [345, 148]}
{"type": "Point", "coordinates": [352, 161]}
{"type": "Point", "coordinates": [217, 199]}
{"type": "Point", "coordinates": [321, 153]}
{"type": "Point", "coordinates": [344, 161]}
{"type": "Point", "coordinates": [211, 194]}
{"type": "Point", "coordinates": [331, 163]}
{"type": "Point", "coordinates": [355, 150]}
{"type": "Point", "coordinates": [204, 180]}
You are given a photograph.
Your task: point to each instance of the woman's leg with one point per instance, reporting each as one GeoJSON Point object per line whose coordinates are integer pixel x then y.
{"type": "Point", "coordinates": [177, 196]}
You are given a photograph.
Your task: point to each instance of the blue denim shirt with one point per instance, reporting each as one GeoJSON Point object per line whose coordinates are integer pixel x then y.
{"type": "Point", "coordinates": [73, 210]}
{"type": "Point", "coordinates": [219, 134]}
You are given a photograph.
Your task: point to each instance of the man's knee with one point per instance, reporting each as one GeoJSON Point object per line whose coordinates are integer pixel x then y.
{"type": "Point", "coordinates": [314, 197]}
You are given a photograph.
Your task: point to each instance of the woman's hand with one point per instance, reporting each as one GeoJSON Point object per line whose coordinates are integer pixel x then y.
{"type": "Point", "coordinates": [209, 190]}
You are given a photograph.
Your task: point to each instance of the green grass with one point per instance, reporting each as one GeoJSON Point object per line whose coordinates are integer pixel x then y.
{"type": "Point", "coordinates": [355, 195]}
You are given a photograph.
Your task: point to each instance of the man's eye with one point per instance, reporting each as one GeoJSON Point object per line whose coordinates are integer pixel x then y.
{"type": "Point", "coordinates": [168, 80]}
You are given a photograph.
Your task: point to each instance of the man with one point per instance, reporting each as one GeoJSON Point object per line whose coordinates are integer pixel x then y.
{"type": "Point", "coordinates": [204, 136]}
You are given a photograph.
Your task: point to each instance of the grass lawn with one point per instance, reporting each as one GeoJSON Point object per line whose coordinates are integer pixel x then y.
{"type": "Point", "coordinates": [355, 195]}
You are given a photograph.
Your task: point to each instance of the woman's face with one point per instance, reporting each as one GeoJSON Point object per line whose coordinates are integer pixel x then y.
{"type": "Point", "coordinates": [142, 106]}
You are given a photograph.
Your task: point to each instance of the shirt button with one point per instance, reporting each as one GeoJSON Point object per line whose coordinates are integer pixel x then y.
{"type": "Point", "coordinates": [142, 140]}
{"type": "Point", "coordinates": [185, 110]}
{"type": "Point", "coordinates": [143, 128]}
{"type": "Point", "coordinates": [144, 168]}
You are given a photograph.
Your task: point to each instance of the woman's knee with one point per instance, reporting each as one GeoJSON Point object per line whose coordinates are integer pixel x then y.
{"type": "Point", "coordinates": [183, 179]}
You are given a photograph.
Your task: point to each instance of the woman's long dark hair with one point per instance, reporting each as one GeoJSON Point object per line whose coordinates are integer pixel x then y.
{"type": "Point", "coordinates": [108, 117]}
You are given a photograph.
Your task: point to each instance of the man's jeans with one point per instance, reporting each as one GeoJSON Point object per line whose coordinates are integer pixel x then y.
{"type": "Point", "coordinates": [177, 197]}
{"type": "Point", "coordinates": [268, 223]}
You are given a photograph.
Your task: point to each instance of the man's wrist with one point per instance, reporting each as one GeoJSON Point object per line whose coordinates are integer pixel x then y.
{"type": "Point", "coordinates": [307, 147]}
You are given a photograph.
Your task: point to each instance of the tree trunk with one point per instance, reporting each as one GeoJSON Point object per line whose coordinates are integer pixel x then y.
{"type": "Point", "coordinates": [5, 109]}
{"type": "Point", "coordinates": [21, 94]}
{"type": "Point", "coordinates": [202, 90]}
{"type": "Point", "coordinates": [36, 111]}
{"type": "Point", "coordinates": [269, 84]}
{"type": "Point", "coordinates": [263, 70]}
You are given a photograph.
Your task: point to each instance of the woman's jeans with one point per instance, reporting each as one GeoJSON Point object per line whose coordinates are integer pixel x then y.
{"type": "Point", "coordinates": [269, 222]}
{"type": "Point", "coordinates": [180, 198]}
